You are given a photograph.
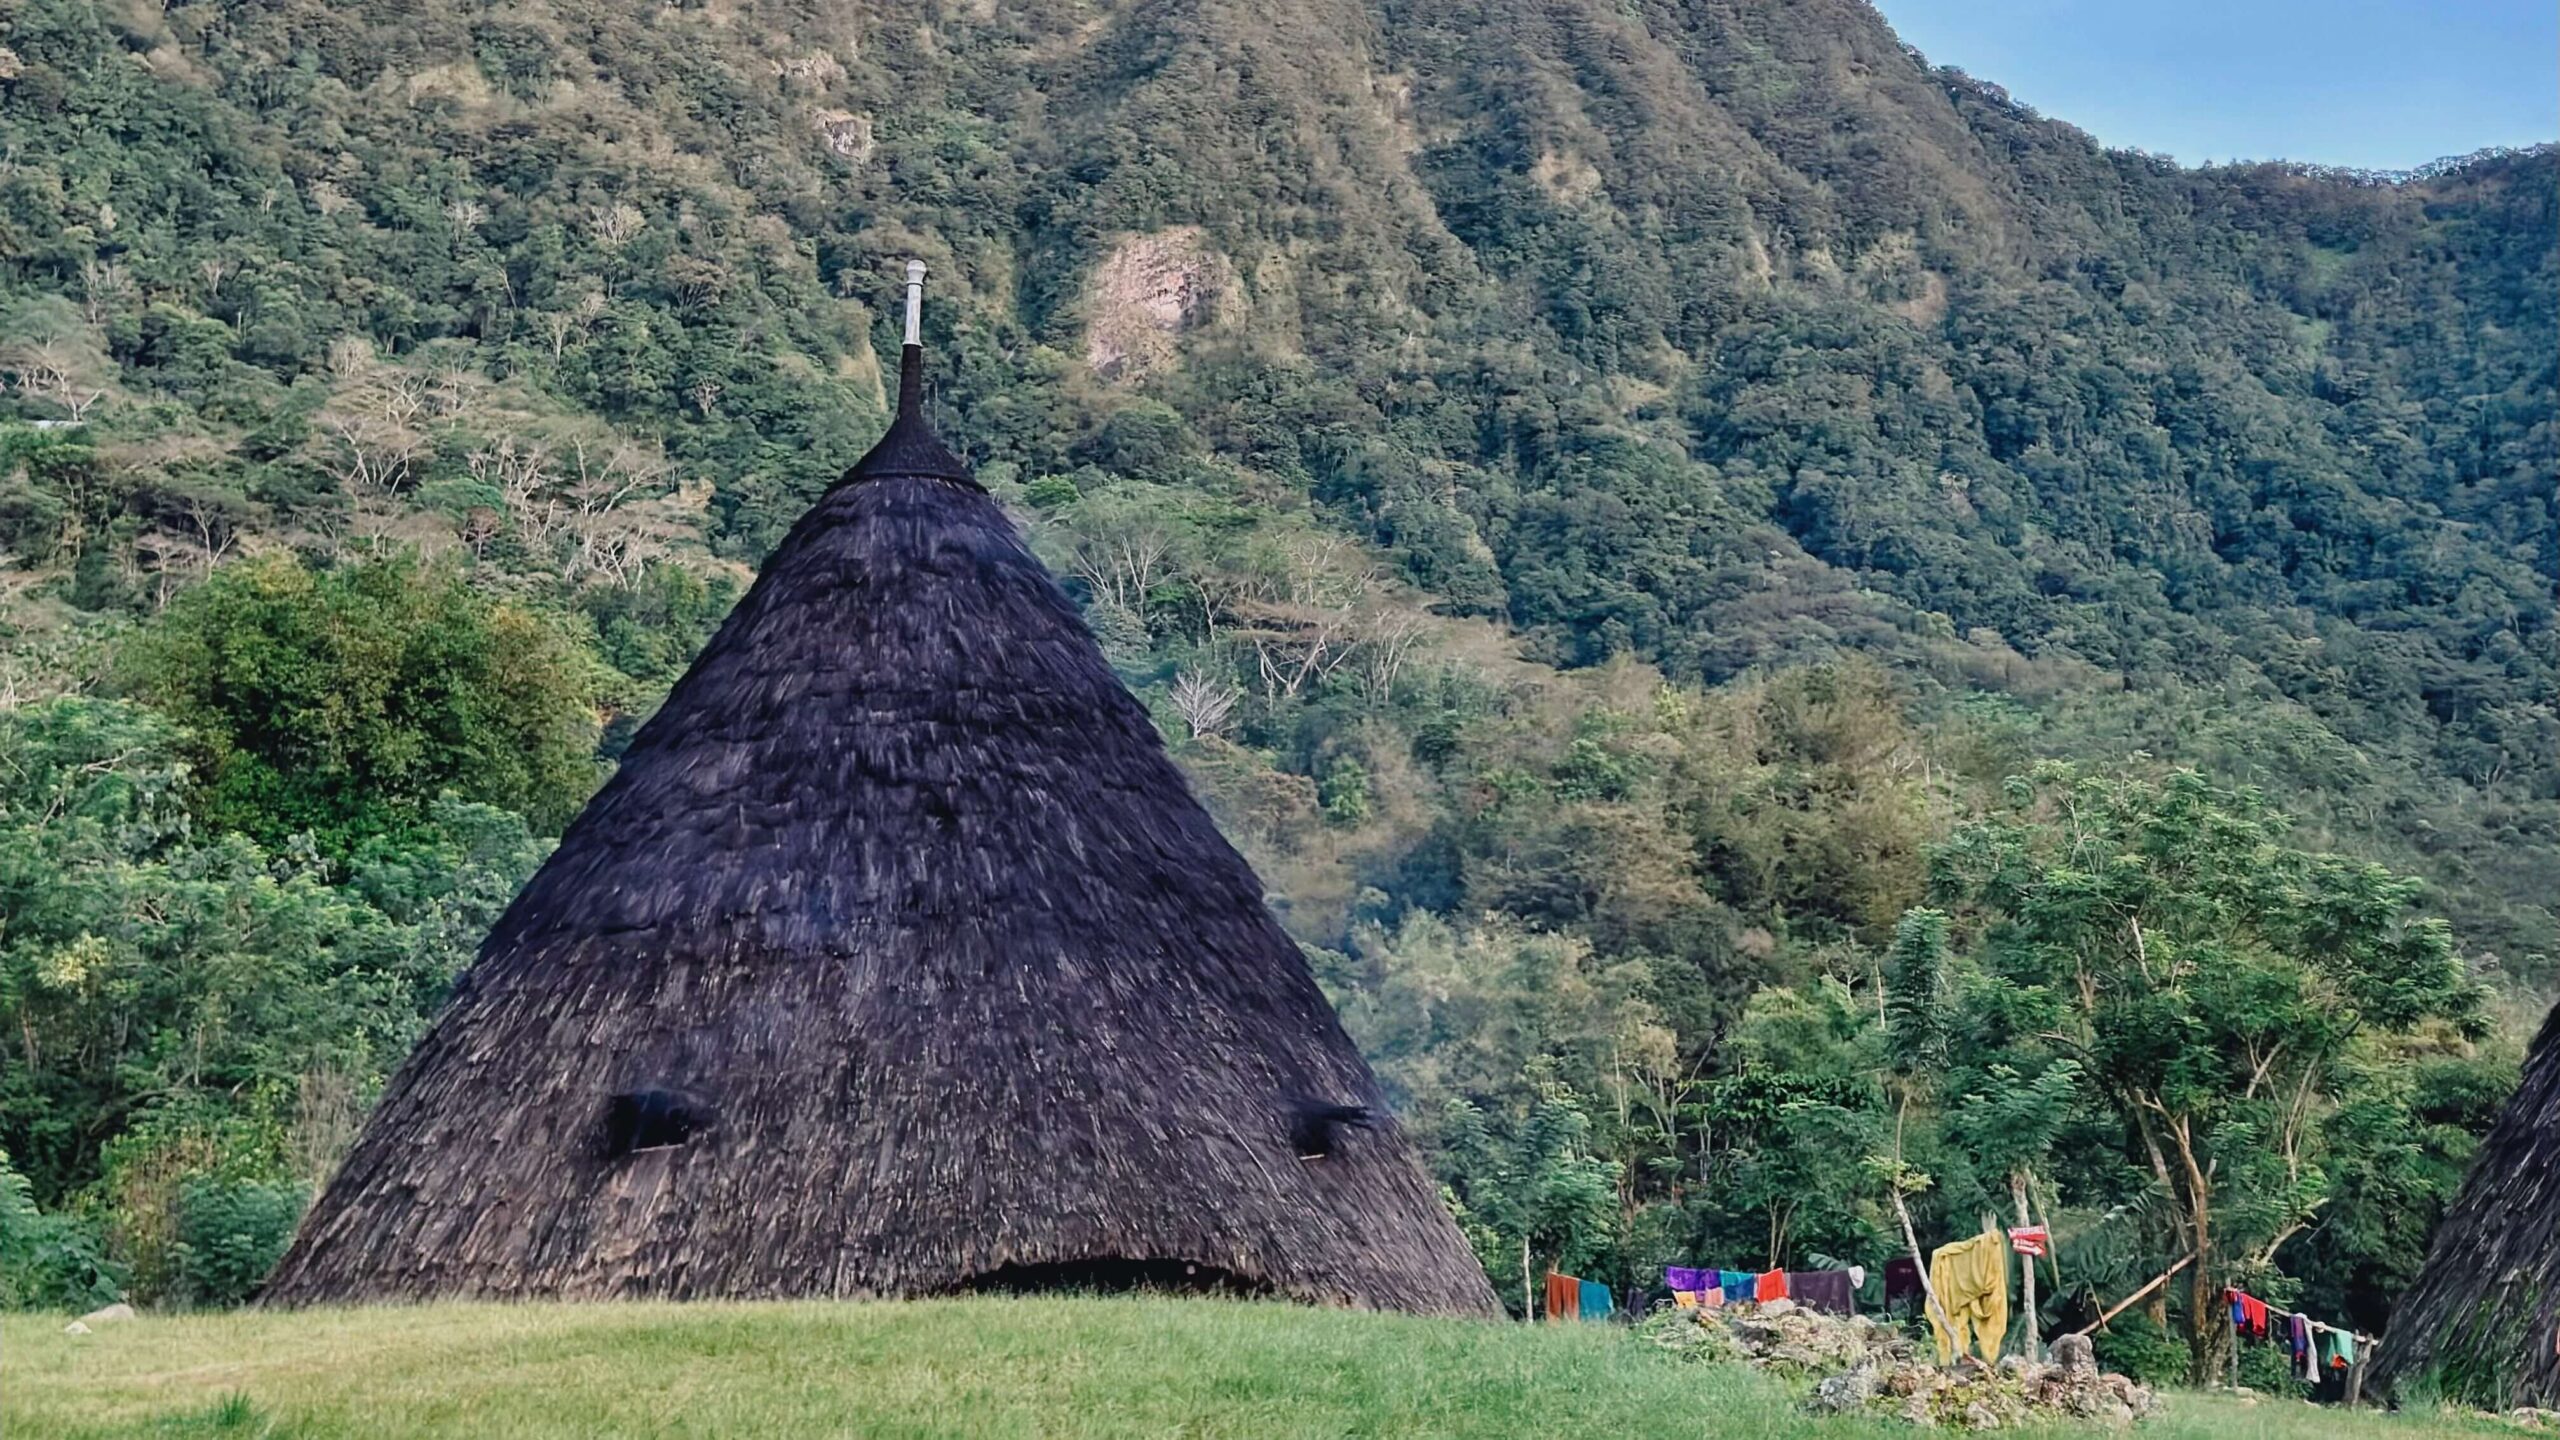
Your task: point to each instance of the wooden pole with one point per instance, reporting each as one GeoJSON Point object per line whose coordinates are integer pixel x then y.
{"type": "Point", "coordinates": [2052, 1251]}
{"type": "Point", "coordinates": [2128, 1302]}
{"type": "Point", "coordinates": [1928, 1286]}
{"type": "Point", "coordinates": [1528, 1295]}
{"type": "Point", "coordinates": [2018, 1187]}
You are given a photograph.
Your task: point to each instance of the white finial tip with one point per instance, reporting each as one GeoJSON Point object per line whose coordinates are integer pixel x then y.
{"type": "Point", "coordinates": [915, 302]}
{"type": "Point", "coordinates": [915, 272]}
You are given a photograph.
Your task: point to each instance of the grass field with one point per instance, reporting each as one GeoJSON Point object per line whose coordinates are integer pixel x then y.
{"type": "Point", "coordinates": [1050, 1367]}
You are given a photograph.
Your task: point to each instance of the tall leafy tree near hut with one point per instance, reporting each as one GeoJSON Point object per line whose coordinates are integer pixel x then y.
{"type": "Point", "coordinates": [1601, 500]}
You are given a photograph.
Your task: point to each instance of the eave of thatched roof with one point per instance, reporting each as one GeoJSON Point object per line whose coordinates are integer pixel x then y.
{"type": "Point", "coordinates": [2482, 1323]}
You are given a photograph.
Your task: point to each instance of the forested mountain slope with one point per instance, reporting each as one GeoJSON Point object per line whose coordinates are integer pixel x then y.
{"type": "Point", "coordinates": [1599, 491]}
{"type": "Point", "coordinates": [1723, 333]}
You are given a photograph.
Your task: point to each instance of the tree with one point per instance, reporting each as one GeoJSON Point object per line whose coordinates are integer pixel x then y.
{"type": "Point", "coordinates": [51, 353]}
{"type": "Point", "coordinates": [1917, 1020]}
{"type": "Point", "coordinates": [341, 703]}
{"type": "Point", "coordinates": [2212, 985]}
{"type": "Point", "coordinates": [1918, 994]}
{"type": "Point", "coordinates": [1530, 1191]}
{"type": "Point", "coordinates": [1203, 703]}
{"type": "Point", "coordinates": [182, 1005]}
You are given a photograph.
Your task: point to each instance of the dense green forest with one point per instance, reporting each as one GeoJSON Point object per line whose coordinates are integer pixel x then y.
{"type": "Point", "coordinates": [1800, 643]}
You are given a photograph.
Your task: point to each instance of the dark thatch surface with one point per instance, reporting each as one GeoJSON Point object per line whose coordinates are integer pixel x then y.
{"type": "Point", "coordinates": [2482, 1322]}
{"type": "Point", "coordinates": [899, 922]}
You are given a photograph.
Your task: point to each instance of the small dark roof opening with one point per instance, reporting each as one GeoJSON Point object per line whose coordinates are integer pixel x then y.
{"type": "Point", "coordinates": [651, 1120]}
{"type": "Point", "coordinates": [1319, 1128]}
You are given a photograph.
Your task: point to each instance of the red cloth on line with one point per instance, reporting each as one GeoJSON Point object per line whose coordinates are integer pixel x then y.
{"type": "Point", "coordinates": [2253, 1313]}
{"type": "Point", "coordinates": [1770, 1286]}
{"type": "Point", "coordinates": [1564, 1297]}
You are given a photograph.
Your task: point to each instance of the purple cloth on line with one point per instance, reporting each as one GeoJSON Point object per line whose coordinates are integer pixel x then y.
{"type": "Point", "coordinates": [1901, 1278]}
{"type": "Point", "coordinates": [1824, 1290]}
{"type": "Point", "coordinates": [1681, 1277]}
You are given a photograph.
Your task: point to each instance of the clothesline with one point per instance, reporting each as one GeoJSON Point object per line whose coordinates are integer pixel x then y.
{"type": "Point", "coordinates": [2358, 1336]}
{"type": "Point", "coordinates": [2321, 1325]}
{"type": "Point", "coordinates": [2236, 1293]}
{"type": "Point", "coordinates": [2312, 1345]}
{"type": "Point", "coordinates": [1833, 1291]}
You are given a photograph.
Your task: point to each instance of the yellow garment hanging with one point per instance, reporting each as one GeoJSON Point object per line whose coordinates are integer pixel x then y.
{"type": "Point", "coordinates": [1972, 1281]}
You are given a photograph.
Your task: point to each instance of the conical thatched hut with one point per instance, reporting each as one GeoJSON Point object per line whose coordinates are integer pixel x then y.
{"type": "Point", "coordinates": [896, 960]}
{"type": "Point", "coordinates": [2482, 1324]}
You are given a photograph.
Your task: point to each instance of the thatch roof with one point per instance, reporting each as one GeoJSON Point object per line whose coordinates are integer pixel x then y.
{"type": "Point", "coordinates": [896, 959]}
{"type": "Point", "coordinates": [2482, 1323]}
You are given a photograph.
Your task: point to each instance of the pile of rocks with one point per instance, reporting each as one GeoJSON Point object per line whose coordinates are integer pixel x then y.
{"type": "Point", "coordinates": [1858, 1364]}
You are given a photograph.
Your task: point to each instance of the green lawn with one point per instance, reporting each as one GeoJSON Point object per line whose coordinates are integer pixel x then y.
{"type": "Point", "coordinates": [1062, 1367]}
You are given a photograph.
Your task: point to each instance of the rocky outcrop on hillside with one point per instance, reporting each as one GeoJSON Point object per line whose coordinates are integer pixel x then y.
{"type": "Point", "coordinates": [1146, 293]}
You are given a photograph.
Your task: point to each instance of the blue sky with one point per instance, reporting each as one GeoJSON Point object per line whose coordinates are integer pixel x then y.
{"type": "Point", "coordinates": [2383, 84]}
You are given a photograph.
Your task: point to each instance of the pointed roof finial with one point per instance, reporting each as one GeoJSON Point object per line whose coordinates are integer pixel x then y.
{"type": "Point", "coordinates": [910, 448]}
{"type": "Point", "coordinates": [911, 358]}
{"type": "Point", "coordinates": [915, 302]}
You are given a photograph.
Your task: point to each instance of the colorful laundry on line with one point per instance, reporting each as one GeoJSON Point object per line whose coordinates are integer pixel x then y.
{"type": "Point", "coordinates": [1737, 1284]}
{"type": "Point", "coordinates": [1771, 1285]}
{"type": "Point", "coordinates": [1596, 1301]}
{"type": "Point", "coordinates": [2030, 1240]}
{"type": "Point", "coordinates": [1677, 1278]}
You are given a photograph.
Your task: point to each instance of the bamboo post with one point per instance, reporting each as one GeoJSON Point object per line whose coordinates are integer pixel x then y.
{"type": "Point", "coordinates": [1928, 1285]}
{"type": "Point", "coordinates": [2018, 1187]}
{"type": "Point", "coordinates": [2052, 1251]}
{"type": "Point", "coordinates": [1528, 1295]}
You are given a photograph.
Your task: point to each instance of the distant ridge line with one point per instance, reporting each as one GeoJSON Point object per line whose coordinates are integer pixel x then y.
{"type": "Point", "coordinates": [1956, 78]}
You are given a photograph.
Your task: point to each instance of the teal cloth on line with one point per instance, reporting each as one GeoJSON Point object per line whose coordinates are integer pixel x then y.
{"type": "Point", "coordinates": [1595, 1300]}
{"type": "Point", "coordinates": [1737, 1284]}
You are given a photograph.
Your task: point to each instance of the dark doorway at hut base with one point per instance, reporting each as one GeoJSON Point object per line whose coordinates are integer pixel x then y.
{"type": "Point", "coordinates": [1114, 1275]}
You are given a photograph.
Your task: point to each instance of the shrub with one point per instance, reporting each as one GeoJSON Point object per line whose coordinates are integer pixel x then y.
{"type": "Point", "coordinates": [1051, 492]}
{"type": "Point", "coordinates": [2137, 1347]}
{"type": "Point", "coordinates": [1345, 792]}
{"type": "Point", "coordinates": [48, 1262]}
{"type": "Point", "coordinates": [231, 1233]}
